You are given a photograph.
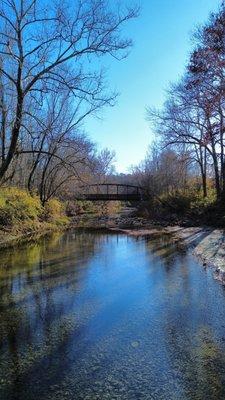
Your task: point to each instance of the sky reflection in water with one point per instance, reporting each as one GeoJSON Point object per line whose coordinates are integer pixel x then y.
{"type": "Point", "coordinates": [100, 316]}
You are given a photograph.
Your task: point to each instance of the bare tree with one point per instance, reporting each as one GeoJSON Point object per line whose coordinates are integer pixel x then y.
{"type": "Point", "coordinates": [46, 47]}
{"type": "Point", "coordinates": [206, 76]}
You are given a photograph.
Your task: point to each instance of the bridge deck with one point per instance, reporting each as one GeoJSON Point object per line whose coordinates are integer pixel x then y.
{"type": "Point", "coordinates": [111, 192]}
{"type": "Point", "coordinates": [110, 197]}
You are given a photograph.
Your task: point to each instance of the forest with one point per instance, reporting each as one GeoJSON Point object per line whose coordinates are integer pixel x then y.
{"type": "Point", "coordinates": [186, 163]}
{"type": "Point", "coordinates": [46, 95]}
{"type": "Point", "coordinates": [51, 80]}
{"type": "Point", "coordinates": [48, 88]}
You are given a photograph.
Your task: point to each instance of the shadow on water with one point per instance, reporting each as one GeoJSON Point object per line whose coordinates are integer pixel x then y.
{"type": "Point", "coordinates": [101, 316]}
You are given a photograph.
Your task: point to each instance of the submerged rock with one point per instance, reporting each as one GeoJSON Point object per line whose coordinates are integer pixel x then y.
{"type": "Point", "coordinates": [135, 344]}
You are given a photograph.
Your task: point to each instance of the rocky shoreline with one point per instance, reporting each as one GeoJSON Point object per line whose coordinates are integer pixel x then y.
{"type": "Point", "coordinates": [206, 243]}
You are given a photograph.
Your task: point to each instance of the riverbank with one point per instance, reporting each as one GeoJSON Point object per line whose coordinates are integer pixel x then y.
{"type": "Point", "coordinates": [10, 239]}
{"type": "Point", "coordinates": [206, 243]}
{"type": "Point", "coordinates": [23, 218]}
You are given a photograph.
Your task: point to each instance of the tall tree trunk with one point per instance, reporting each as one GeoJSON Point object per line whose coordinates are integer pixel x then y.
{"type": "Point", "coordinates": [19, 107]}
{"type": "Point", "coordinates": [222, 195]}
{"type": "Point", "coordinates": [204, 174]}
{"type": "Point", "coordinates": [202, 160]}
{"type": "Point", "coordinates": [3, 122]}
{"type": "Point", "coordinates": [217, 177]}
{"type": "Point", "coordinates": [204, 185]}
{"type": "Point", "coordinates": [14, 139]}
{"type": "Point", "coordinates": [216, 169]}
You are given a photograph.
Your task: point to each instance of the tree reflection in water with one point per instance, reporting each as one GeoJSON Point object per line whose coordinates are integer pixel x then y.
{"type": "Point", "coordinates": [102, 316]}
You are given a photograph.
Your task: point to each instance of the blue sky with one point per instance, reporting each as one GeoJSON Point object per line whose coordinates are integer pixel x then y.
{"type": "Point", "coordinates": [162, 44]}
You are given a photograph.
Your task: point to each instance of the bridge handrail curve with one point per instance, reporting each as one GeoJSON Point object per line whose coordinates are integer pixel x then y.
{"type": "Point", "coordinates": [112, 184]}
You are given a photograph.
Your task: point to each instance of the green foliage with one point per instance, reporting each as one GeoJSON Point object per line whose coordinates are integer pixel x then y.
{"type": "Point", "coordinates": [53, 208]}
{"type": "Point", "coordinates": [86, 207]}
{"type": "Point", "coordinates": [190, 201]}
{"type": "Point", "coordinates": [178, 201]}
{"type": "Point", "coordinates": [188, 207]}
{"type": "Point", "coordinates": [54, 213]}
{"type": "Point", "coordinates": [199, 202]}
{"type": "Point", "coordinates": [17, 205]}
{"type": "Point", "coordinates": [21, 212]}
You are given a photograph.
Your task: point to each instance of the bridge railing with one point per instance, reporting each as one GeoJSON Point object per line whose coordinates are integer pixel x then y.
{"type": "Point", "coordinates": [112, 191]}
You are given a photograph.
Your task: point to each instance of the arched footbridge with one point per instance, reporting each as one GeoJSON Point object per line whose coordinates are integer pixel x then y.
{"type": "Point", "coordinates": [111, 192]}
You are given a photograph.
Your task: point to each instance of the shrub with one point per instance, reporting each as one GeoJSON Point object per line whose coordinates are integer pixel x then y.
{"type": "Point", "coordinates": [53, 209]}
{"type": "Point", "coordinates": [18, 205]}
{"type": "Point", "coordinates": [178, 202]}
{"type": "Point", "coordinates": [23, 212]}
{"type": "Point", "coordinates": [201, 203]}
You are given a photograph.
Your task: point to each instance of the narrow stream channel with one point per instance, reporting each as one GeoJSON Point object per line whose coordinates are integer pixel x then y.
{"type": "Point", "coordinates": [106, 316]}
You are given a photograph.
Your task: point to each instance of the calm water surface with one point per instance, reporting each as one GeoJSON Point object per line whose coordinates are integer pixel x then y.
{"type": "Point", "coordinates": [102, 316]}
